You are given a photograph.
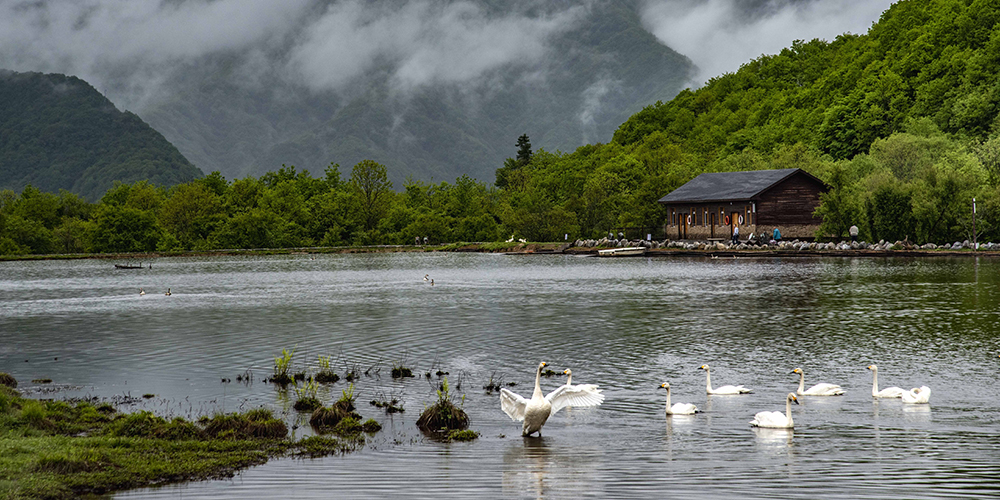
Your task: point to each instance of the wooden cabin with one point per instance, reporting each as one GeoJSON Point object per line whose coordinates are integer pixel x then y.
{"type": "Point", "coordinates": [710, 205]}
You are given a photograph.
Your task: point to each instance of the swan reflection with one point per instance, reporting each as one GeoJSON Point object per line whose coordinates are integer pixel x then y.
{"type": "Point", "coordinates": [778, 438]}
{"type": "Point", "coordinates": [526, 468]}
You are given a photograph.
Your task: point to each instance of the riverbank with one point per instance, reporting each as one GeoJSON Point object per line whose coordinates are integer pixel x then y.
{"type": "Point", "coordinates": [56, 450]}
{"type": "Point", "coordinates": [580, 247]}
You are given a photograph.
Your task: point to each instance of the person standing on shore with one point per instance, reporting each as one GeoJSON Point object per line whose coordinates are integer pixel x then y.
{"type": "Point", "coordinates": [853, 231]}
{"type": "Point", "coordinates": [736, 234]}
{"type": "Point", "coordinates": [777, 235]}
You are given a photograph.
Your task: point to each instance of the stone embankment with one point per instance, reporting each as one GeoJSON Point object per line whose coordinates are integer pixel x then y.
{"type": "Point", "coordinates": [784, 247]}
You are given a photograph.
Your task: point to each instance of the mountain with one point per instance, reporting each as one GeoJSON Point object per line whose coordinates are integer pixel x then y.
{"type": "Point", "coordinates": [596, 73]}
{"type": "Point", "coordinates": [57, 132]}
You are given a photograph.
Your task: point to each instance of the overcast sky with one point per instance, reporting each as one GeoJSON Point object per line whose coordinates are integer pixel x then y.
{"type": "Point", "coordinates": [327, 45]}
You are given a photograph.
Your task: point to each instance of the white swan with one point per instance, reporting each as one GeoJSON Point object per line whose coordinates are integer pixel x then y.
{"type": "Point", "coordinates": [775, 419]}
{"type": "Point", "coordinates": [678, 408]}
{"type": "Point", "coordinates": [818, 389]}
{"type": "Point", "coordinates": [536, 411]}
{"type": "Point", "coordinates": [917, 396]}
{"type": "Point", "coordinates": [589, 389]}
{"type": "Point", "coordinates": [888, 392]}
{"type": "Point", "coordinates": [724, 390]}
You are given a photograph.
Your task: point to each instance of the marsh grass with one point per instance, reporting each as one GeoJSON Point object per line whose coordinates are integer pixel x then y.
{"type": "Point", "coordinates": [7, 380]}
{"type": "Point", "coordinates": [53, 449]}
{"type": "Point", "coordinates": [390, 403]}
{"type": "Point", "coordinates": [282, 365]}
{"type": "Point", "coordinates": [443, 415]}
{"type": "Point", "coordinates": [306, 396]}
{"type": "Point", "coordinates": [327, 419]}
{"type": "Point", "coordinates": [462, 435]}
{"type": "Point", "coordinates": [325, 374]}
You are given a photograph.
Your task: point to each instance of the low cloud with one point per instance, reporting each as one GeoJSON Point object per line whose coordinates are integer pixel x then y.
{"type": "Point", "coordinates": [720, 35]}
{"type": "Point", "coordinates": [133, 46]}
{"type": "Point", "coordinates": [424, 42]}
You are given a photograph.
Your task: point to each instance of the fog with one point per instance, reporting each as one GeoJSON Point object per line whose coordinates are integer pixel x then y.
{"type": "Point", "coordinates": [132, 46]}
{"type": "Point", "coordinates": [720, 35]}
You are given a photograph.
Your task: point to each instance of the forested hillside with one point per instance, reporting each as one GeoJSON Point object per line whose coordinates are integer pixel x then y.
{"type": "Point", "coordinates": [901, 122]}
{"type": "Point", "coordinates": [57, 132]}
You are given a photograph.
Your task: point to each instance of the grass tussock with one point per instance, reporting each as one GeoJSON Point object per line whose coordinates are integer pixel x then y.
{"type": "Point", "coordinates": [328, 419]}
{"type": "Point", "coordinates": [325, 374]}
{"type": "Point", "coordinates": [443, 415]}
{"type": "Point", "coordinates": [7, 380]}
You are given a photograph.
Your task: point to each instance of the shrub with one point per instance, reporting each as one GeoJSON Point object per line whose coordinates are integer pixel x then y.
{"type": "Point", "coordinates": [7, 380]}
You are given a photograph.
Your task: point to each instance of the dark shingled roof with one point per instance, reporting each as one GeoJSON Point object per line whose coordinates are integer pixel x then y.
{"type": "Point", "coordinates": [729, 186]}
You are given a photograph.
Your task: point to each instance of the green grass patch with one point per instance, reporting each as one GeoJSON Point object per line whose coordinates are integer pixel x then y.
{"type": "Point", "coordinates": [55, 450]}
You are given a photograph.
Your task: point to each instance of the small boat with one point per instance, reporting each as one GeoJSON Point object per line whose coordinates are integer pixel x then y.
{"type": "Point", "coordinates": [622, 252]}
{"type": "Point", "coordinates": [127, 266]}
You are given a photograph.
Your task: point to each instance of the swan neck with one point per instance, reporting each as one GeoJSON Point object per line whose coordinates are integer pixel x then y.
{"type": "Point", "coordinates": [708, 381]}
{"type": "Point", "coordinates": [569, 379]}
{"type": "Point", "coordinates": [538, 382]}
{"type": "Point", "coordinates": [874, 382]}
{"type": "Point", "coordinates": [802, 384]}
{"type": "Point", "coordinates": [788, 410]}
{"type": "Point", "coordinates": [668, 398]}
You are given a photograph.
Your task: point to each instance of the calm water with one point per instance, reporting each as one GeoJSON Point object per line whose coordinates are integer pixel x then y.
{"type": "Point", "coordinates": [626, 324]}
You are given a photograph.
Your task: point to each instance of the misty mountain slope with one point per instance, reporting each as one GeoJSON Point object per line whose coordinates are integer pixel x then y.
{"type": "Point", "coordinates": [57, 132]}
{"type": "Point", "coordinates": [598, 68]}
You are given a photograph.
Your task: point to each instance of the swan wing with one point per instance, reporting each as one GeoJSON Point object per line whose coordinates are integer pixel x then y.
{"type": "Point", "coordinates": [890, 392]}
{"type": "Point", "coordinates": [574, 395]}
{"type": "Point", "coordinates": [512, 404]}
{"type": "Point", "coordinates": [731, 389]}
{"type": "Point", "coordinates": [683, 409]}
{"type": "Point", "coordinates": [769, 419]}
{"type": "Point", "coordinates": [824, 390]}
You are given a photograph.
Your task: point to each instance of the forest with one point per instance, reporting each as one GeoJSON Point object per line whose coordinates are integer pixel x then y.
{"type": "Point", "coordinates": [901, 122]}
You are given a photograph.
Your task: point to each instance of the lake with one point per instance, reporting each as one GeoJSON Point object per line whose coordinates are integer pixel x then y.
{"type": "Point", "coordinates": [627, 324]}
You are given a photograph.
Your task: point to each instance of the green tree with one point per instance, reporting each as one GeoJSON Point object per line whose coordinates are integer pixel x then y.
{"type": "Point", "coordinates": [523, 150]}
{"type": "Point", "coordinates": [372, 188]}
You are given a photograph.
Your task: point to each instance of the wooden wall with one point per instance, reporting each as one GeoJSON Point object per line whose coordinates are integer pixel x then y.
{"type": "Point", "coordinates": [790, 203]}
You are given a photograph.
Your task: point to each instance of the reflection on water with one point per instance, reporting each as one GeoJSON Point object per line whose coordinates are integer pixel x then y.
{"type": "Point", "coordinates": [625, 324]}
{"type": "Point", "coordinates": [525, 468]}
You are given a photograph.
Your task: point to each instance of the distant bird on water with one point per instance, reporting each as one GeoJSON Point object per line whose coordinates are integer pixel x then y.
{"type": "Point", "coordinates": [142, 292]}
{"type": "Point", "coordinates": [426, 277]}
{"type": "Point", "coordinates": [168, 292]}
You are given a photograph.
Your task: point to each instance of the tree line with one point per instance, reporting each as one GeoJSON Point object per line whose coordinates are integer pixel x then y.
{"type": "Point", "coordinates": [903, 123]}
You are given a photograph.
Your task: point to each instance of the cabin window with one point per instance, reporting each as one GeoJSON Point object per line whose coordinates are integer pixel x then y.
{"type": "Point", "coordinates": [705, 220]}
{"type": "Point", "coordinates": [673, 217]}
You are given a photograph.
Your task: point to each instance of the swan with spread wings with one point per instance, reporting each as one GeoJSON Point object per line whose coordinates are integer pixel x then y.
{"type": "Point", "coordinates": [536, 411]}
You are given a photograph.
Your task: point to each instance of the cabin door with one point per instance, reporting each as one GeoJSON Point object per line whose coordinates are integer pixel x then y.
{"type": "Point", "coordinates": [734, 221]}
{"type": "Point", "coordinates": [682, 227]}
{"type": "Point", "coordinates": [711, 224]}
